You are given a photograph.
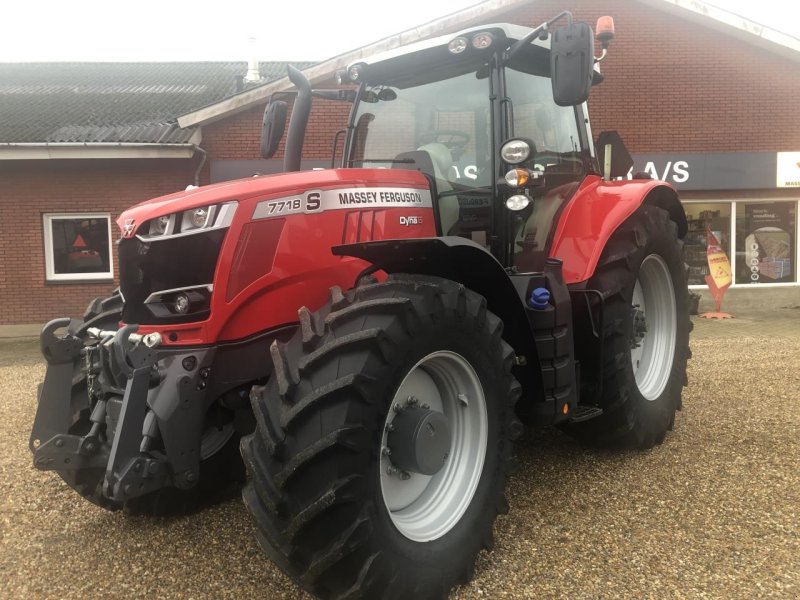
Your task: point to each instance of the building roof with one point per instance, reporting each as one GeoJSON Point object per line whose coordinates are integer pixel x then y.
{"type": "Point", "coordinates": [693, 10]}
{"type": "Point", "coordinates": [114, 102]}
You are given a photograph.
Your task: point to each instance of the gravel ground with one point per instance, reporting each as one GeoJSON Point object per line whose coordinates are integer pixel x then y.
{"type": "Point", "coordinates": [712, 513]}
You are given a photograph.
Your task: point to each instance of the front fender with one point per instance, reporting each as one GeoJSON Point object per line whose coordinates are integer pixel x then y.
{"type": "Point", "coordinates": [468, 263]}
{"type": "Point", "coordinates": [596, 211]}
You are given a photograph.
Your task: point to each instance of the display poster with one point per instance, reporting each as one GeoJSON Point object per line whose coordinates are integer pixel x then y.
{"type": "Point", "coordinates": [719, 267]}
{"type": "Point", "coordinates": [769, 242]}
{"type": "Point", "coordinates": [719, 278]}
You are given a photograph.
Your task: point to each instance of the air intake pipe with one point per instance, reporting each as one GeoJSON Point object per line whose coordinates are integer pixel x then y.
{"type": "Point", "coordinates": [298, 121]}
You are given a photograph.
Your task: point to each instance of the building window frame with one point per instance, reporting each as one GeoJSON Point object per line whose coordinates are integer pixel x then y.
{"type": "Point", "coordinates": [49, 256]}
{"type": "Point", "coordinates": [733, 241]}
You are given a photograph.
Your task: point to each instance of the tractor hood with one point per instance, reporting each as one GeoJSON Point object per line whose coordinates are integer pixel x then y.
{"type": "Point", "coordinates": [131, 221]}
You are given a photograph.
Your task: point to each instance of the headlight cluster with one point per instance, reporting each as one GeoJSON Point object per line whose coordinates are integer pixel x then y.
{"type": "Point", "coordinates": [479, 41]}
{"type": "Point", "coordinates": [515, 152]}
{"type": "Point", "coordinates": [194, 220]}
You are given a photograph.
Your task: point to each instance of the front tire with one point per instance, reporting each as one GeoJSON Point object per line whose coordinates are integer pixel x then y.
{"type": "Point", "coordinates": [646, 326]}
{"type": "Point", "coordinates": [332, 507]}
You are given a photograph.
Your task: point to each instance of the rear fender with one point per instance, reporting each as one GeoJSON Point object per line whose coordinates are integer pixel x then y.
{"type": "Point", "coordinates": [468, 263]}
{"type": "Point", "coordinates": [594, 214]}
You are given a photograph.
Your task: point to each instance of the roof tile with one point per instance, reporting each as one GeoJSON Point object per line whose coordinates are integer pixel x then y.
{"type": "Point", "coordinates": [114, 102]}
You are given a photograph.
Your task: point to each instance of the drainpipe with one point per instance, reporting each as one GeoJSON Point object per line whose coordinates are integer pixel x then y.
{"type": "Point", "coordinates": [203, 156]}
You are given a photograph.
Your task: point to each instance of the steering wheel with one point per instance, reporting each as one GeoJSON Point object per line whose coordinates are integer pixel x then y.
{"type": "Point", "coordinates": [453, 139]}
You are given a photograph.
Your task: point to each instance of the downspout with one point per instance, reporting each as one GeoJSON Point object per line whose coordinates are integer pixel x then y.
{"type": "Point", "coordinates": [298, 121]}
{"type": "Point", "coordinates": [203, 157]}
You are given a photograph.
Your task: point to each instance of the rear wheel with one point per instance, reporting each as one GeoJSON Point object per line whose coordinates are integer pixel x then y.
{"type": "Point", "coordinates": [379, 462]}
{"type": "Point", "coordinates": [646, 328]}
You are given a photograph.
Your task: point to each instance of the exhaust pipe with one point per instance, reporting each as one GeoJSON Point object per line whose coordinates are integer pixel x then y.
{"type": "Point", "coordinates": [298, 121]}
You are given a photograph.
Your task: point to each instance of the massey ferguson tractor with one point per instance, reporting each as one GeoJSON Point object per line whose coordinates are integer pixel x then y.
{"type": "Point", "coordinates": [374, 336]}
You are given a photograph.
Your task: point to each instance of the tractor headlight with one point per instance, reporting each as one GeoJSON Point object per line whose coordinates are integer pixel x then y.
{"type": "Point", "coordinates": [482, 40]}
{"type": "Point", "coordinates": [517, 177]}
{"type": "Point", "coordinates": [356, 72]}
{"type": "Point", "coordinates": [182, 304]}
{"type": "Point", "coordinates": [516, 151]}
{"type": "Point", "coordinates": [160, 225]}
{"type": "Point", "coordinates": [458, 45]}
{"type": "Point", "coordinates": [196, 218]}
{"type": "Point", "coordinates": [517, 202]}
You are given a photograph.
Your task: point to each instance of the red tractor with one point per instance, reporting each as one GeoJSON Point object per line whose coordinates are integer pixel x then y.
{"type": "Point", "coordinates": [374, 336]}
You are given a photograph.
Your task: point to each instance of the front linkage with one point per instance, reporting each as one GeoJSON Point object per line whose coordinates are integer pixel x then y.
{"type": "Point", "coordinates": [145, 408]}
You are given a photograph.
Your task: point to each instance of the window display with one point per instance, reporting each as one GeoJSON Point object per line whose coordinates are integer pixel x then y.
{"type": "Point", "coordinates": [701, 218]}
{"type": "Point", "coordinates": [77, 247]}
{"type": "Point", "coordinates": [765, 242]}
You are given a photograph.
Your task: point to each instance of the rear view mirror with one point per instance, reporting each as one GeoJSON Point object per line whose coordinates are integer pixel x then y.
{"type": "Point", "coordinates": [272, 127]}
{"type": "Point", "coordinates": [571, 63]}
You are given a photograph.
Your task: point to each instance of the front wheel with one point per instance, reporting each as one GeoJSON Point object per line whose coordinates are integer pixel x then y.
{"type": "Point", "coordinates": [646, 328]}
{"type": "Point", "coordinates": [379, 462]}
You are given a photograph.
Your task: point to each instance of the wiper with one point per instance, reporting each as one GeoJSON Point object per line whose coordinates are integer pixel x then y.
{"type": "Point", "coordinates": [464, 192]}
{"type": "Point", "coordinates": [408, 161]}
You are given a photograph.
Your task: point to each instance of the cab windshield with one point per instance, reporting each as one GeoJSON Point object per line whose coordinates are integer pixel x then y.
{"type": "Point", "coordinates": [447, 118]}
{"type": "Point", "coordinates": [553, 129]}
{"type": "Point", "coordinates": [439, 121]}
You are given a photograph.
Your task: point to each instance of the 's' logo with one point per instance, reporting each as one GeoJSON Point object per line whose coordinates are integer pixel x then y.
{"type": "Point", "coordinates": [127, 229]}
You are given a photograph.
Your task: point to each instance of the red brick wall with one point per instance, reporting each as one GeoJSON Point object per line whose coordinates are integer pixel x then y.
{"type": "Point", "coordinates": [29, 189]}
{"type": "Point", "coordinates": [239, 137]}
{"type": "Point", "coordinates": [675, 85]}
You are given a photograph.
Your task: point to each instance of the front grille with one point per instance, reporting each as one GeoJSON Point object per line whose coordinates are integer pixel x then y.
{"type": "Point", "coordinates": [179, 262]}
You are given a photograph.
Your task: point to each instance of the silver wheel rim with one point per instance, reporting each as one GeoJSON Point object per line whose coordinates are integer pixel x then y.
{"type": "Point", "coordinates": [653, 349]}
{"type": "Point", "coordinates": [424, 508]}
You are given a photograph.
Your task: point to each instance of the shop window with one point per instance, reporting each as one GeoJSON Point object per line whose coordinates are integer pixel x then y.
{"type": "Point", "coordinates": [704, 217]}
{"type": "Point", "coordinates": [765, 242]}
{"type": "Point", "coordinates": [77, 247]}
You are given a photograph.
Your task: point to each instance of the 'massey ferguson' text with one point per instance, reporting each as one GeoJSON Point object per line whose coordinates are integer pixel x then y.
{"type": "Point", "coordinates": [367, 197]}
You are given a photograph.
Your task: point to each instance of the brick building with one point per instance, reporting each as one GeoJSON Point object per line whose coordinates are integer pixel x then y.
{"type": "Point", "coordinates": [703, 99]}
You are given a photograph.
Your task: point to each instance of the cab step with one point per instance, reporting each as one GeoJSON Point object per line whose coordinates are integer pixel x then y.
{"type": "Point", "coordinates": [583, 413]}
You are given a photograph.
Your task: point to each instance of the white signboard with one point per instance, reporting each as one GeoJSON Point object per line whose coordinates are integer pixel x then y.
{"type": "Point", "coordinates": [788, 169]}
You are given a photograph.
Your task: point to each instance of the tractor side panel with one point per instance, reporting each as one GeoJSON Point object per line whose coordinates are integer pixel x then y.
{"type": "Point", "coordinates": [276, 256]}
{"type": "Point", "coordinates": [301, 268]}
{"type": "Point", "coordinates": [596, 210]}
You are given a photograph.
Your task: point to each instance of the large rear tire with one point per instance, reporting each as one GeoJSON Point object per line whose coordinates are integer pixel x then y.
{"type": "Point", "coordinates": [646, 326]}
{"type": "Point", "coordinates": [336, 507]}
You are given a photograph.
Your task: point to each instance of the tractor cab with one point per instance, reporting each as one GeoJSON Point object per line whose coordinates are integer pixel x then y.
{"type": "Point", "coordinates": [451, 121]}
{"type": "Point", "coordinates": [496, 120]}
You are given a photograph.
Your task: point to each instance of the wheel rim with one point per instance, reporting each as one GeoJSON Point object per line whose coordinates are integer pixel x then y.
{"type": "Point", "coordinates": [214, 439]}
{"type": "Point", "coordinates": [424, 508]}
{"type": "Point", "coordinates": [655, 324]}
